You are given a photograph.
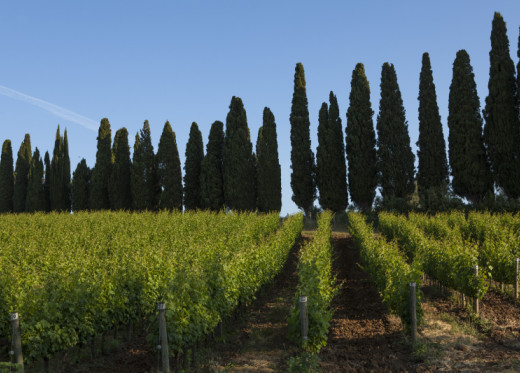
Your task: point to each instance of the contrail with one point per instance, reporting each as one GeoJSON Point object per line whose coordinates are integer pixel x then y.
{"type": "Point", "coordinates": [54, 109]}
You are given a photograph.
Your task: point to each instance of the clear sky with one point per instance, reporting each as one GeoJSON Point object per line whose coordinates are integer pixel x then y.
{"type": "Point", "coordinates": [75, 62]}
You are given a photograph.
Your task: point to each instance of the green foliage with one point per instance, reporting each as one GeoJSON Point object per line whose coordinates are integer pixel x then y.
{"type": "Point", "coordinates": [192, 168]}
{"type": "Point", "coordinates": [303, 182]}
{"type": "Point", "coordinates": [120, 193]}
{"type": "Point", "coordinates": [432, 173]}
{"type": "Point", "coordinates": [144, 179]}
{"type": "Point", "coordinates": [238, 161]}
{"type": "Point", "coordinates": [59, 186]}
{"type": "Point", "coordinates": [211, 178]}
{"type": "Point", "coordinates": [47, 182]}
{"type": "Point", "coordinates": [81, 186]}
{"type": "Point", "coordinates": [21, 174]}
{"type": "Point", "coordinates": [169, 170]}
{"type": "Point", "coordinates": [395, 157]}
{"type": "Point", "coordinates": [469, 165]}
{"type": "Point", "coordinates": [35, 194]}
{"type": "Point", "coordinates": [388, 269]}
{"type": "Point", "coordinates": [502, 129]}
{"type": "Point", "coordinates": [118, 265]}
{"type": "Point", "coordinates": [269, 174]}
{"type": "Point", "coordinates": [361, 142]}
{"type": "Point", "coordinates": [6, 178]}
{"type": "Point", "coordinates": [99, 192]}
{"type": "Point", "coordinates": [306, 362]}
{"type": "Point", "coordinates": [316, 282]}
{"type": "Point", "coordinates": [331, 174]}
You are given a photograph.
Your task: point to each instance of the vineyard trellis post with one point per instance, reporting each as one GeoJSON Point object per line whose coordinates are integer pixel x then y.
{"type": "Point", "coordinates": [163, 337]}
{"type": "Point", "coordinates": [413, 312]}
{"type": "Point", "coordinates": [516, 278]}
{"type": "Point", "coordinates": [304, 320]}
{"type": "Point", "coordinates": [476, 305]}
{"type": "Point", "coordinates": [17, 340]}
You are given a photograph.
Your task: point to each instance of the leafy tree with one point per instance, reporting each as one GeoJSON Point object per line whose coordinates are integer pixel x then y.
{"type": "Point", "coordinates": [211, 178]}
{"type": "Point", "coordinates": [302, 158]}
{"type": "Point", "coordinates": [469, 165]}
{"type": "Point", "coordinates": [192, 168]}
{"type": "Point", "coordinates": [395, 157]}
{"type": "Point", "coordinates": [145, 180]}
{"type": "Point", "coordinates": [269, 174]}
{"type": "Point", "coordinates": [502, 128]}
{"type": "Point", "coordinates": [361, 142]}
{"type": "Point", "coordinates": [331, 173]}
{"type": "Point", "coordinates": [47, 182]}
{"type": "Point", "coordinates": [81, 186]}
{"type": "Point", "coordinates": [169, 170]}
{"type": "Point", "coordinates": [60, 174]}
{"type": "Point", "coordinates": [432, 175]}
{"type": "Point", "coordinates": [23, 164]}
{"type": "Point", "coordinates": [6, 178]}
{"type": "Point", "coordinates": [238, 161]}
{"type": "Point", "coordinates": [119, 184]}
{"type": "Point", "coordinates": [35, 196]}
{"type": "Point", "coordinates": [99, 193]}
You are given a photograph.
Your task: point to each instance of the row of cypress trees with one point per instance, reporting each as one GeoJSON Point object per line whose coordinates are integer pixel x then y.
{"type": "Point", "coordinates": [480, 159]}
{"type": "Point", "coordinates": [229, 175]}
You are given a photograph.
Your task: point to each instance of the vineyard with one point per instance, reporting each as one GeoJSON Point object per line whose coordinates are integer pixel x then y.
{"type": "Point", "coordinates": [73, 279]}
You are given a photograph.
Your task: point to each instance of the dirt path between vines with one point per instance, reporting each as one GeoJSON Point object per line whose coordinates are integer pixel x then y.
{"type": "Point", "coordinates": [363, 336]}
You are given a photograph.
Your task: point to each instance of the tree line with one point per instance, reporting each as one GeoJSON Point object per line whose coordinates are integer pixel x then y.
{"type": "Point", "coordinates": [483, 153]}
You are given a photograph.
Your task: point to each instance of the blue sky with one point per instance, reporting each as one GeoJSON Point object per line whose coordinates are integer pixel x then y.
{"type": "Point", "coordinates": [182, 61]}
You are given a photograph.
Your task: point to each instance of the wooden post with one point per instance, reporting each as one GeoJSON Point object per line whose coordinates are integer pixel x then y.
{"type": "Point", "coordinates": [413, 312]}
{"type": "Point", "coordinates": [476, 305]}
{"type": "Point", "coordinates": [516, 278]}
{"type": "Point", "coordinates": [17, 340]}
{"type": "Point", "coordinates": [304, 320]}
{"type": "Point", "coordinates": [163, 338]}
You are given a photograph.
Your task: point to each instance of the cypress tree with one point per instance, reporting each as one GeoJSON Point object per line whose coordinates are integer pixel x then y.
{"type": "Point", "coordinates": [238, 161]}
{"type": "Point", "coordinates": [6, 178]}
{"type": "Point", "coordinates": [395, 157]}
{"type": "Point", "coordinates": [99, 193]}
{"type": "Point", "coordinates": [60, 174]}
{"type": "Point", "coordinates": [66, 174]}
{"type": "Point", "coordinates": [432, 175]}
{"type": "Point", "coordinates": [192, 167]}
{"type": "Point", "coordinates": [302, 158]}
{"type": "Point", "coordinates": [211, 178]}
{"type": "Point", "coordinates": [119, 184]}
{"type": "Point", "coordinates": [47, 183]}
{"type": "Point", "coordinates": [361, 142]}
{"type": "Point", "coordinates": [269, 174]}
{"type": "Point", "coordinates": [169, 170]}
{"type": "Point", "coordinates": [469, 165]}
{"type": "Point", "coordinates": [35, 196]}
{"type": "Point", "coordinates": [331, 174]}
{"type": "Point", "coordinates": [502, 128]}
{"type": "Point", "coordinates": [145, 182]}
{"type": "Point", "coordinates": [23, 164]}
{"type": "Point", "coordinates": [81, 186]}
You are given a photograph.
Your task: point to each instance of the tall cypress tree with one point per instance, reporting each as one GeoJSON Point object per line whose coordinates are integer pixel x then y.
{"type": "Point", "coordinates": [66, 174]}
{"type": "Point", "coordinates": [469, 165]}
{"type": "Point", "coordinates": [169, 170]}
{"type": "Point", "coordinates": [331, 174]}
{"type": "Point", "coordinates": [269, 174]}
{"type": "Point", "coordinates": [60, 174]}
{"type": "Point", "coordinates": [502, 128]}
{"type": "Point", "coordinates": [99, 194]}
{"type": "Point", "coordinates": [361, 142]}
{"type": "Point", "coordinates": [145, 180]}
{"type": "Point", "coordinates": [23, 164]}
{"type": "Point", "coordinates": [211, 178]}
{"type": "Point", "coordinates": [6, 178]}
{"type": "Point", "coordinates": [395, 157]}
{"type": "Point", "coordinates": [238, 161]}
{"type": "Point", "coordinates": [47, 183]}
{"type": "Point", "coordinates": [119, 184]}
{"type": "Point", "coordinates": [432, 175]}
{"type": "Point", "coordinates": [302, 158]}
{"type": "Point", "coordinates": [192, 167]}
{"type": "Point", "coordinates": [35, 196]}
{"type": "Point", "coordinates": [81, 186]}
